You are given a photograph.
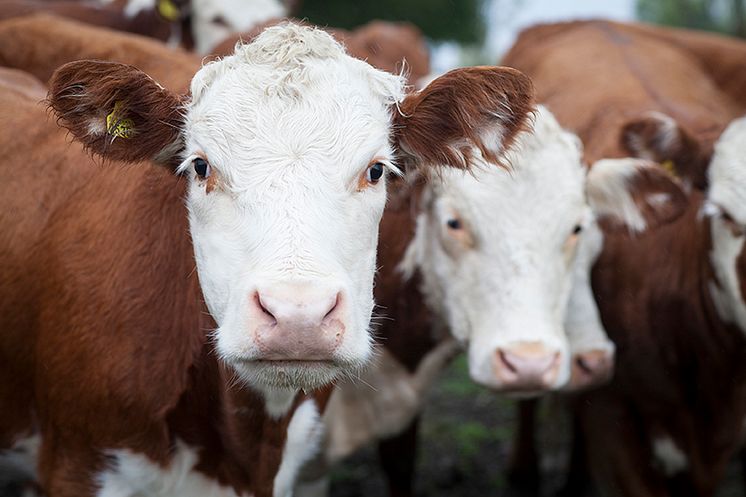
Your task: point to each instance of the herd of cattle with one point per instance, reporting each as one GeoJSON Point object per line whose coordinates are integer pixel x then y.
{"type": "Point", "coordinates": [575, 221]}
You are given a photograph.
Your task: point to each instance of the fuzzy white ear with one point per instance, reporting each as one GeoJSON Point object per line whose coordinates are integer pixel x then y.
{"type": "Point", "coordinates": [634, 194]}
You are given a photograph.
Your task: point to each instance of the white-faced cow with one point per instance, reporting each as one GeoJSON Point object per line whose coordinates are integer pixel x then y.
{"type": "Point", "coordinates": [670, 298]}
{"type": "Point", "coordinates": [280, 153]}
{"type": "Point", "coordinates": [501, 260]}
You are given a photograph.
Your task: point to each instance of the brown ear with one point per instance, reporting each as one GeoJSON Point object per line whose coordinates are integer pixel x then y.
{"type": "Point", "coordinates": [475, 109]}
{"type": "Point", "coordinates": [658, 137]}
{"type": "Point", "coordinates": [633, 194]}
{"type": "Point", "coordinates": [118, 111]}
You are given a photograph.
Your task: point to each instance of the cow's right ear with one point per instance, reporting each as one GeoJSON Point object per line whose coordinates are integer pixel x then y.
{"type": "Point", "coordinates": [657, 137]}
{"type": "Point", "coordinates": [462, 115]}
{"type": "Point", "coordinates": [633, 194]}
{"type": "Point", "coordinates": [118, 112]}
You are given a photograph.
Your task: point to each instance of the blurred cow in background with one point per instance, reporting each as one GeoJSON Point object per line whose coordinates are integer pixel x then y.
{"type": "Point", "coordinates": [501, 261]}
{"type": "Point", "coordinates": [670, 298]}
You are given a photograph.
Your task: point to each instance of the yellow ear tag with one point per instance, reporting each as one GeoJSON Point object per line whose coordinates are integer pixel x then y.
{"type": "Point", "coordinates": [168, 10]}
{"type": "Point", "coordinates": [670, 167]}
{"type": "Point", "coordinates": [118, 127]}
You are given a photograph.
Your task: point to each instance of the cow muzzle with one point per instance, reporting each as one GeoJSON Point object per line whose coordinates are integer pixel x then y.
{"type": "Point", "coordinates": [526, 367]}
{"type": "Point", "coordinates": [297, 322]}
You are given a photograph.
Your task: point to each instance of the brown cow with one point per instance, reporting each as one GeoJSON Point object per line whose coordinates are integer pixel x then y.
{"type": "Point", "coordinates": [673, 414]}
{"type": "Point", "coordinates": [41, 43]}
{"type": "Point", "coordinates": [108, 351]}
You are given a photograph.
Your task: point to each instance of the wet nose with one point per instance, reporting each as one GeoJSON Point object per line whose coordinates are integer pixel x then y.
{"type": "Point", "coordinates": [297, 322]}
{"type": "Point", "coordinates": [526, 366]}
{"type": "Point", "coordinates": [591, 368]}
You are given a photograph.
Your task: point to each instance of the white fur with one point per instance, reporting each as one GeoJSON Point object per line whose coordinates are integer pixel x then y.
{"type": "Point", "coordinates": [304, 434]}
{"type": "Point", "coordinates": [609, 192]}
{"type": "Point", "coordinates": [134, 475]}
{"type": "Point", "coordinates": [235, 16]}
{"type": "Point", "coordinates": [669, 456]}
{"type": "Point", "coordinates": [727, 175]}
{"type": "Point", "coordinates": [512, 281]}
{"type": "Point", "coordinates": [583, 320]}
{"type": "Point", "coordinates": [289, 124]}
{"type": "Point", "coordinates": [667, 138]}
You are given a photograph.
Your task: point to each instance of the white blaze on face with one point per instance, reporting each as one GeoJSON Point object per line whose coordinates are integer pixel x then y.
{"type": "Point", "coordinates": [727, 208]}
{"type": "Point", "coordinates": [214, 20]}
{"type": "Point", "coordinates": [496, 250]}
{"type": "Point", "coordinates": [285, 222]}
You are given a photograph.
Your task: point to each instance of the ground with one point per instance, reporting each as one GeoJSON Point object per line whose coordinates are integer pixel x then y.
{"type": "Point", "coordinates": [464, 446]}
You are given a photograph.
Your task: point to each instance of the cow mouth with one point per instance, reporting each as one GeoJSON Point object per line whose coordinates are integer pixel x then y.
{"type": "Point", "coordinates": [289, 373]}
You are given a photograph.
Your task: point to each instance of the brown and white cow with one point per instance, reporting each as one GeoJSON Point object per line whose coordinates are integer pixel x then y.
{"type": "Point", "coordinates": [109, 353]}
{"type": "Point", "coordinates": [500, 261]}
{"type": "Point", "coordinates": [198, 25]}
{"type": "Point", "coordinates": [673, 414]}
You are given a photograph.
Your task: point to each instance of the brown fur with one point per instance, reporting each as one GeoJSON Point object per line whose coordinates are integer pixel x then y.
{"type": "Point", "coordinates": [146, 22]}
{"type": "Point", "coordinates": [84, 93]}
{"type": "Point", "coordinates": [473, 100]}
{"type": "Point", "coordinates": [680, 370]}
{"type": "Point", "coordinates": [42, 43]}
{"type": "Point", "coordinates": [23, 83]}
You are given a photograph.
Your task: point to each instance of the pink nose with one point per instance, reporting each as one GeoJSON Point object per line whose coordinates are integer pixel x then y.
{"type": "Point", "coordinates": [526, 366]}
{"type": "Point", "coordinates": [591, 368]}
{"type": "Point", "coordinates": [297, 323]}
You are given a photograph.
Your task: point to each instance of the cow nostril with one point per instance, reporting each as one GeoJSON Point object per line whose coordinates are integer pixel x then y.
{"type": "Point", "coordinates": [260, 305]}
{"type": "Point", "coordinates": [333, 308]}
{"type": "Point", "coordinates": [504, 359]}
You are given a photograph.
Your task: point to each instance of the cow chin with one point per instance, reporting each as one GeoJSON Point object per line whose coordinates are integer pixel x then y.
{"type": "Point", "coordinates": [304, 375]}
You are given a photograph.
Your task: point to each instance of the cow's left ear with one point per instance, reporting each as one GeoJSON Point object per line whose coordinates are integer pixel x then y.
{"type": "Point", "coordinates": [633, 194]}
{"type": "Point", "coordinates": [660, 138]}
{"type": "Point", "coordinates": [118, 112]}
{"type": "Point", "coordinates": [465, 112]}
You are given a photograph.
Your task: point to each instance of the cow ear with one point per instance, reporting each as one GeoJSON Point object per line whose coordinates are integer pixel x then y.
{"type": "Point", "coordinates": [466, 114]}
{"type": "Point", "coordinates": [118, 112]}
{"type": "Point", "coordinates": [659, 138]}
{"type": "Point", "coordinates": [633, 194]}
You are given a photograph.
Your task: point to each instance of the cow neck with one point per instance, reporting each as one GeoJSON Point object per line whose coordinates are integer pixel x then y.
{"type": "Point", "coordinates": [654, 294]}
{"type": "Point", "coordinates": [405, 324]}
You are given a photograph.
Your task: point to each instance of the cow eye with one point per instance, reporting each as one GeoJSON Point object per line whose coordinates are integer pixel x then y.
{"type": "Point", "coordinates": [375, 172]}
{"type": "Point", "coordinates": [454, 224]}
{"type": "Point", "coordinates": [201, 167]}
{"type": "Point", "coordinates": [577, 229]}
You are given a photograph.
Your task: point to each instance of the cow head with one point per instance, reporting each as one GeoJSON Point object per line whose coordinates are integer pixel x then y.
{"type": "Point", "coordinates": [285, 146]}
{"type": "Point", "coordinates": [726, 205]}
{"type": "Point", "coordinates": [505, 253]}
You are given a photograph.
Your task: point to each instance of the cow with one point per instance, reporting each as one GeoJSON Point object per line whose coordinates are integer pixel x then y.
{"type": "Point", "coordinates": [164, 349]}
{"type": "Point", "coordinates": [198, 25]}
{"type": "Point", "coordinates": [497, 261]}
{"type": "Point", "coordinates": [673, 414]}
{"type": "Point", "coordinates": [41, 43]}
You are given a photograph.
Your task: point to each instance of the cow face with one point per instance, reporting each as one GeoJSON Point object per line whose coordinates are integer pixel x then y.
{"type": "Point", "coordinates": [727, 208]}
{"type": "Point", "coordinates": [505, 256]}
{"type": "Point", "coordinates": [285, 146]}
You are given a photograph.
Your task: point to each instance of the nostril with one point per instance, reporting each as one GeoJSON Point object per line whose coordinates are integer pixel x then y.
{"type": "Point", "coordinates": [260, 305]}
{"type": "Point", "coordinates": [335, 304]}
{"type": "Point", "coordinates": [504, 358]}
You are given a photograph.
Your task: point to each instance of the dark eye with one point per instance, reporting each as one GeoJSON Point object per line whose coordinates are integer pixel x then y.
{"type": "Point", "coordinates": [577, 230]}
{"type": "Point", "coordinates": [454, 224]}
{"type": "Point", "coordinates": [201, 167]}
{"type": "Point", "coordinates": [375, 172]}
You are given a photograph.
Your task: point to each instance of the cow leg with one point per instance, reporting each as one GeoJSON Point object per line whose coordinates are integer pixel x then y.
{"type": "Point", "coordinates": [578, 479]}
{"type": "Point", "coordinates": [398, 456]}
{"type": "Point", "coordinates": [523, 469]}
{"type": "Point", "coordinates": [617, 448]}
